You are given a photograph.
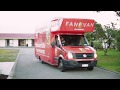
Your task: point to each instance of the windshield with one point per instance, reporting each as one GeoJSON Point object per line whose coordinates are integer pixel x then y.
{"type": "Point", "coordinates": [73, 40]}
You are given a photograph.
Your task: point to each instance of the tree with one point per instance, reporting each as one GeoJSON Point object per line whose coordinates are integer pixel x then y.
{"type": "Point", "coordinates": [99, 33]}
{"type": "Point", "coordinates": [110, 35]}
{"type": "Point", "coordinates": [118, 40]}
{"type": "Point", "coordinates": [117, 13]}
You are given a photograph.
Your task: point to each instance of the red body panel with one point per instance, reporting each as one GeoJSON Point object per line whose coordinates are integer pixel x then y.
{"type": "Point", "coordinates": [81, 25]}
{"type": "Point", "coordinates": [80, 49]}
{"type": "Point", "coordinates": [73, 25]}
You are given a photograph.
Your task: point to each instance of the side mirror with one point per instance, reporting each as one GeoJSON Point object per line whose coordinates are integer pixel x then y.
{"type": "Point", "coordinates": [59, 45]}
{"type": "Point", "coordinates": [92, 44]}
{"type": "Point", "coordinates": [53, 44]}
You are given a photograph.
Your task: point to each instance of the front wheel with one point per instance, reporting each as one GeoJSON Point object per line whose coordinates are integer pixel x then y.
{"type": "Point", "coordinates": [61, 66]}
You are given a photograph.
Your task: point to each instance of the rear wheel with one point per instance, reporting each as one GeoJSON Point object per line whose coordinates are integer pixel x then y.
{"type": "Point", "coordinates": [90, 68]}
{"type": "Point", "coordinates": [61, 66]}
{"type": "Point", "coordinates": [41, 60]}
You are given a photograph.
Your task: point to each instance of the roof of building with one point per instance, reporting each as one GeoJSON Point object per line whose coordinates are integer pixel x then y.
{"type": "Point", "coordinates": [16, 36]}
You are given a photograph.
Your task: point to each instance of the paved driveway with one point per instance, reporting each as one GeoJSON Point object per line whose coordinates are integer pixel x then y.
{"type": "Point", "coordinates": [28, 67]}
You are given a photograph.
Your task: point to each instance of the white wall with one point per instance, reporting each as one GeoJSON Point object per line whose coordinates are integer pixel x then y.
{"type": "Point", "coordinates": [11, 42]}
{"type": "Point", "coordinates": [29, 42]}
{"type": "Point", "coordinates": [2, 43]}
{"type": "Point", "coordinates": [15, 43]}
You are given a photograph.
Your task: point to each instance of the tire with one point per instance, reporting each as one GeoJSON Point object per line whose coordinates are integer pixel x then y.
{"type": "Point", "coordinates": [41, 60]}
{"type": "Point", "coordinates": [61, 66]}
{"type": "Point", "coordinates": [90, 68]}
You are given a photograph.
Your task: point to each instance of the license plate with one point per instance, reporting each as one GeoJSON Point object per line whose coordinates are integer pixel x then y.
{"type": "Point", "coordinates": [84, 65]}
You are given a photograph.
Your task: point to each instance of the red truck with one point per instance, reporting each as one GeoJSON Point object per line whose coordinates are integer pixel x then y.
{"type": "Point", "coordinates": [64, 45]}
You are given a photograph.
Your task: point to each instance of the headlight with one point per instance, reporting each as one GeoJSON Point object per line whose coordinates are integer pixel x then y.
{"type": "Point", "coordinates": [70, 56]}
{"type": "Point", "coordinates": [95, 55]}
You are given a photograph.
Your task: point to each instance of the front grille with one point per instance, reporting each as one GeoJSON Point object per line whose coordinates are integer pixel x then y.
{"type": "Point", "coordinates": [84, 62]}
{"type": "Point", "coordinates": [81, 55]}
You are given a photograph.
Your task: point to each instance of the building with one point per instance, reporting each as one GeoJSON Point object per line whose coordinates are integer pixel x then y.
{"type": "Point", "coordinates": [16, 39]}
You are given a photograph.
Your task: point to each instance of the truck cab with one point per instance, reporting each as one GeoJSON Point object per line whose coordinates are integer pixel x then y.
{"type": "Point", "coordinates": [74, 52]}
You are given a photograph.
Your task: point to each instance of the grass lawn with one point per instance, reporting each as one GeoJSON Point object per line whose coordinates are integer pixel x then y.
{"type": "Point", "coordinates": [8, 55]}
{"type": "Point", "coordinates": [111, 61]}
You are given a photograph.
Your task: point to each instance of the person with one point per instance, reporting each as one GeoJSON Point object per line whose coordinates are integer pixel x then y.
{"type": "Point", "coordinates": [92, 44]}
{"type": "Point", "coordinates": [27, 45]}
{"type": "Point", "coordinates": [56, 40]}
{"type": "Point", "coordinates": [62, 40]}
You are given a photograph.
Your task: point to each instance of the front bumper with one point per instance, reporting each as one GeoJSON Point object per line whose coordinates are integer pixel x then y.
{"type": "Point", "coordinates": [73, 64]}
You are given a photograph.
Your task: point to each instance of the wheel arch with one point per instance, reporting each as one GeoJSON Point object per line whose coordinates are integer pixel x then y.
{"type": "Point", "coordinates": [60, 57]}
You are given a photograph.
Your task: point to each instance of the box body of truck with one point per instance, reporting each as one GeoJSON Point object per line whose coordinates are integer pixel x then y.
{"type": "Point", "coordinates": [74, 51]}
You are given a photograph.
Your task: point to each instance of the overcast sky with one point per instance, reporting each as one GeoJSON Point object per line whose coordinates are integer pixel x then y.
{"type": "Point", "coordinates": [27, 21]}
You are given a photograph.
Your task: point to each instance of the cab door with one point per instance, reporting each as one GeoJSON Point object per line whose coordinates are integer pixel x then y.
{"type": "Point", "coordinates": [56, 50]}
